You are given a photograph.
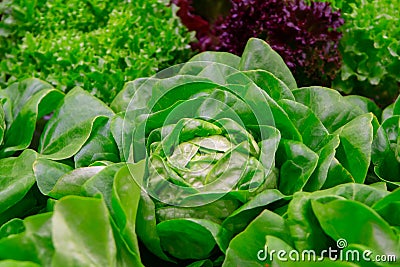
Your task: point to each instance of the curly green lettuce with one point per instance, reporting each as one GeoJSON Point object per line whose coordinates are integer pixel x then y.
{"type": "Point", "coordinates": [96, 45]}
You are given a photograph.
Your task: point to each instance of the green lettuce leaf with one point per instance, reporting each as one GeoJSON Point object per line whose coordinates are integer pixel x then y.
{"type": "Point", "coordinates": [66, 133]}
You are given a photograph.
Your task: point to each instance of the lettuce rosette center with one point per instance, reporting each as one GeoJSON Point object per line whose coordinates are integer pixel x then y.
{"type": "Point", "coordinates": [196, 153]}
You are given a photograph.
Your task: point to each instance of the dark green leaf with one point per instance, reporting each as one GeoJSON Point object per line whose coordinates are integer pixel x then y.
{"type": "Point", "coordinates": [297, 162]}
{"type": "Point", "coordinates": [379, 185]}
{"type": "Point", "coordinates": [219, 57]}
{"type": "Point", "coordinates": [388, 206]}
{"type": "Point", "coordinates": [325, 157]}
{"type": "Point", "coordinates": [13, 263]}
{"type": "Point", "coordinates": [385, 150]}
{"type": "Point", "coordinates": [99, 147]}
{"type": "Point", "coordinates": [26, 102]}
{"type": "Point", "coordinates": [268, 147]}
{"type": "Point", "coordinates": [354, 151]}
{"type": "Point", "coordinates": [267, 223]}
{"type": "Point", "coordinates": [66, 133]}
{"type": "Point", "coordinates": [337, 175]}
{"type": "Point", "coordinates": [72, 182]}
{"type": "Point", "coordinates": [365, 194]}
{"type": "Point", "coordinates": [2, 123]}
{"type": "Point", "coordinates": [387, 112]}
{"type": "Point", "coordinates": [12, 227]}
{"type": "Point", "coordinates": [367, 229]}
{"type": "Point", "coordinates": [34, 244]}
{"type": "Point", "coordinates": [146, 227]}
{"type": "Point", "coordinates": [123, 98]}
{"type": "Point", "coordinates": [48, 172]}
{"type": "Point", "coordinates": [188, 238]}
{"type": "Point", "coordinates": [125, 199]}
{"type": "Point", "coordinates": [269, 83]}
{"type": "Point", "coordinates": [239, 219]}
{"type": "Point", "coordinates": [16, 178]}
{"type": "Point", "coordinates": [101, 183]}
{"type": "Point", "coordinates": [304, 227]}
{"type": "Point", "coordinates": [396, 107]}
{"type": "Point", "coordinates": [120, 129]}
{"type": "Point", "coordinates": [365, 104]}
{"type": "Point", "coordinates": [125, 257]}
{"type": "Point", "coordinates": [328, 105]}
{"type": "Point", "coordinates": [309, 126]}
{"type": "Point", "coordinates": [203, 263]}
{"type": "Point", "coordinates": [259, 55]}
{"type": "Point", "coordinates": [82, 234]}
{"type": "Point", "coordinates": [18, 94]}
{"type": "Point", "coordinates": [215, 211]}
{"type": "Point", "coordinates": [214, 71]}
{"type": "Point", "coordinates": [269, 115]}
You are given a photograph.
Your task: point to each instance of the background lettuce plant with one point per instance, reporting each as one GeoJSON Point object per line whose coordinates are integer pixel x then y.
{"type": "Point", "coordinates": [96, 45]}
{"type": "Point", "coordinates": [203, 164]}
{"type": "Point", "coordinates": [359, 56]}
{"type": "Point", "coordinates": [306, 36]}
{"type": "Point", "coordinates": [370, 49]}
